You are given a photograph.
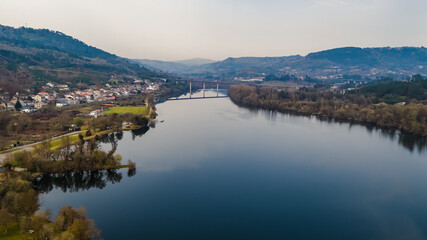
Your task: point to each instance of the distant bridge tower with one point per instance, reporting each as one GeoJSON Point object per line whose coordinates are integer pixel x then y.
{"type": "Point", "coordinates": [217, 89]}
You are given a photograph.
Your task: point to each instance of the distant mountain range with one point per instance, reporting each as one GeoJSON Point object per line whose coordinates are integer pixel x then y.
{"type": "Point", "coordinates": [31, 57]}
{"type": "Point", "coordinates": [330, 65]}
{"type": "Point", "coordinates": [183, 66]}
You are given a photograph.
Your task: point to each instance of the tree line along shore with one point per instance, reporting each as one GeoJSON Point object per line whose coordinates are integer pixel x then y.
{"type": "Point", "coordinates": [364, 105]}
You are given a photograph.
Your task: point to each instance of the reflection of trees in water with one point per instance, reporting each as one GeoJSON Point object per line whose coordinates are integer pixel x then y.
{"type": "Point", "coordinates": [413, 142]}
{"type": "Point", "coordinates": [77, 181]}
{"type": "Point", "coordinates": [131, 172]}
{"type": "Point", "coordinates": [109, 138]}
{"type": "Point", "coordinates": [119, 135]}
{"type": "Point", "coordinates": [114, 138]}
{"type": "Point", "coordinates": [139, 132]}
{"type": "Point", "coordinates": [409, 141]}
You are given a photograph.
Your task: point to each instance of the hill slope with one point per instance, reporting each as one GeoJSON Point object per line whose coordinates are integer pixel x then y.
{"type": "Point", "coordinates": [362, 63]}
{"type": "Point", "coordinates": [30, 57]}
{"type": "Point", "coordinates": [330, 65]}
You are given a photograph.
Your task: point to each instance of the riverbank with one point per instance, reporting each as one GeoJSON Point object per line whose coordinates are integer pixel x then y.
{"type": "Point", "coordinates": [56, 142]}
{"type": "Point", "coordinates": [120, 118]}
{"type": "Point", "coordinates": [410, 118]}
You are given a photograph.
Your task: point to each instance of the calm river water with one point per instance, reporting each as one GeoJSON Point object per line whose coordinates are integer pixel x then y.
{"type": "Point", "coordinates": [213, 170]}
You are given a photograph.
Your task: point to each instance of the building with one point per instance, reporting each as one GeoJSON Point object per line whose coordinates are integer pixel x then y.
{"type": "Point", "coordinates": [40, 105]}
{"type": "Point", "coordinates": [28, 109]}
{"type": "Point", "coordinates": [95, 113]}
{"type": "Point", "coordinates": [61, 102]}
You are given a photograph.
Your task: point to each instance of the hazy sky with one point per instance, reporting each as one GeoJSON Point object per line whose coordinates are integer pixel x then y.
{"type": "Point", "coordinates": [216, 29]}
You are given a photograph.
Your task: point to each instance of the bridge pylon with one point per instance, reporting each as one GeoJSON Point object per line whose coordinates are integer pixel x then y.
{"type": "Point", "coordinates": [217, 89]}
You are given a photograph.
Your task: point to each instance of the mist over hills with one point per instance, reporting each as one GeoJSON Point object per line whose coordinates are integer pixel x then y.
{"type": "Point", "coordinates": [180, 67]}
{"type": "Point", "coordinates": [334, 64]}
{"type": "Point", "coordinates": [30, 57]}
{"type": "Point", "coordinates": [196, 61]}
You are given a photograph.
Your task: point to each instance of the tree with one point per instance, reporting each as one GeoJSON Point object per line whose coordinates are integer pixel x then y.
{"type": "Point", "coordinates": [79, 229]}
{"type": "Point", "coordinates": [5, 219]}
{"type": "Point", "coordinates": [79, 121]}
{"type": "Point", "coordinates": [65, 147]}
{"type": "Point", "coordinates": [36, 226]}
{"type": "Point", "coordinates": [43, 150]}
{"type": "Point", "coordinates": [18, 106]}
{"type": "Point", "coordinates": [28, 202]}
{"type": "Point", "coordinates": [73, 224]}
{"type": "Point", "coordinates": [66, 217]}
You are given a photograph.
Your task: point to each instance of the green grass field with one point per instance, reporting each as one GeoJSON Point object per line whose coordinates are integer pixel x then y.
{"type": "Point", "coordinates": [57, 142]}
{"type": "Point", "coordinates": [123, 110]}
{"type": "Point", "coordinates": [12, 232]}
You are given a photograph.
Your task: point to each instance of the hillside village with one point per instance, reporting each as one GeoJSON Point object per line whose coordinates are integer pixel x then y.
{"type": "Point", "coordinates": [61, 95]}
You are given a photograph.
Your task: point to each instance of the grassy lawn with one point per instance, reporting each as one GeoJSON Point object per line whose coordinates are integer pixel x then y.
{"type": "Point", "coordinates": [57, 142]}
{"type": "Point", "coordinates": [12, 232]}
{"type": "Point", "coordinates": [85, 110]}
{"type": "Point", "coordinates": [122, 110]}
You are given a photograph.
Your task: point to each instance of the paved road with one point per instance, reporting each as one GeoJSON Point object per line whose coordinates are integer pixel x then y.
{"type": "Point", "coordinates": [30, 147]}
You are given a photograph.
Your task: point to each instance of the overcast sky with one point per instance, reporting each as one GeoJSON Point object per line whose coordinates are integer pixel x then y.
{"type": "Point", "coordinates": [217, 29]}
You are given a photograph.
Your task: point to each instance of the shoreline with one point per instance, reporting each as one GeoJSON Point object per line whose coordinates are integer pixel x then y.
{"type": "Point", "coordinates": [327, 118]}
{"type": "Point", "coordinates": [309, 108]}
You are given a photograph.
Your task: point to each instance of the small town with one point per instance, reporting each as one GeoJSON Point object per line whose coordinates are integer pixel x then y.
{"type": "Point", "coordinates": [61, 95]}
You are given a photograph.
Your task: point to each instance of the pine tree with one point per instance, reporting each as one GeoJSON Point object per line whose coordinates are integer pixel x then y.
{"type": "Point", "coordinates": [18, 105]}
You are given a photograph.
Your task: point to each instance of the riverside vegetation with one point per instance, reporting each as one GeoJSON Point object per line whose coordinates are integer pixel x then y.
{"type": "Point", "coordinates": [26, 173]}
{"type": "Point", "coordinates": [366, 105]}
{"type": "Point", "coordinates": [20, 128]}
{"type": "Point", "coordinates": [19, 218]}
{"type": "Point", "coordinates": [19, 188]}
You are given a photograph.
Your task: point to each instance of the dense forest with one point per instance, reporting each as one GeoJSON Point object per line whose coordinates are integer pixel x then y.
{"type": "Point", "coordinates": [389, 91]}
{"type": "Point", "coordinates": [362, 105]}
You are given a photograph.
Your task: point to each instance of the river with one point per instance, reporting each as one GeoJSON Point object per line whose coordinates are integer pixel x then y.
{"type": "Point", "coordinates": [214, 170]}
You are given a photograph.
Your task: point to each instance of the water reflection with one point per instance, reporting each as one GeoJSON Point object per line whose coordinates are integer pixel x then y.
{"type": "Point", "coordinates": [77, 181]}
{"type": "Point", "coordinates": [139, 132]}
{"type": "Point", "coordinates": [113, 138]}
{"type": "Point", "coordinates": [409, 141]}
{"type": "Point", "coordinates": [131, 172]}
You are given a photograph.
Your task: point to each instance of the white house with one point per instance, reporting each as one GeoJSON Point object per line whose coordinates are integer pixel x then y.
{"type": "Point", "coordinates": [95, 113]}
